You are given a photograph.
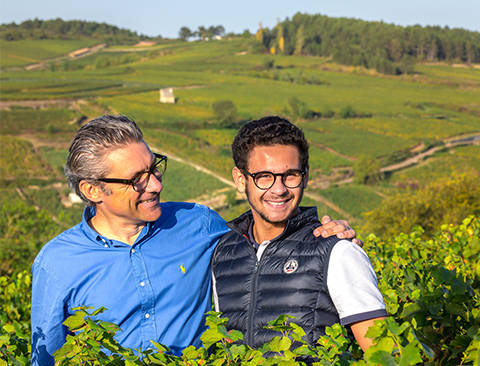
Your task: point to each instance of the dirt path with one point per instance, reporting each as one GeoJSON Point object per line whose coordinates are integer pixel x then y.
{"type": "Point", "coordinates": [36, 142]}
{"type": "Point", "coordinates": [318, 198]}
{"type": "Point", "coordinates": [87, 51]}
{"type": "Point", "coordinates": [447, 144]}
{"type": "Point", "coordinates": [329, 149]}
{"type": "Point", "coordinates": [195, 166]}
{"type": "Point", "coordinates": [37, 104]}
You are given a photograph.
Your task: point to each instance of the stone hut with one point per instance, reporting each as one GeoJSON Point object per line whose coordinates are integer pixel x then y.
{"type": "Point", "coordinates": [166, 96]}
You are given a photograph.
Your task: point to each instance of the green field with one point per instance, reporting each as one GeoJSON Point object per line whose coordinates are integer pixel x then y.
{"type": "Point", "coordinates": [393, 113]}
{"type": "Point", "coordinates": [25, 52]}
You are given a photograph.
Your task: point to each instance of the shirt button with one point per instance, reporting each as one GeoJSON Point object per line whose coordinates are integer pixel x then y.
{"type": "Point", "coordinates": [142, 283]}
{"type": "Point", "coordinates": [133, 250]}
{"type": "Point", "coordinates": [147, 315]}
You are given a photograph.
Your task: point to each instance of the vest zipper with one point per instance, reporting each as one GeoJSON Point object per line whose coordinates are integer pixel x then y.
{"type": "Point", "coordinates": [253, 302]}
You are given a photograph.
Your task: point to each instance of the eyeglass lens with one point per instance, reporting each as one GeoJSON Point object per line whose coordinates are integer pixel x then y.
{"type": "Point", "coordinates": [291, 179]}
{"type": "Point", "coordinates": [157, 169]}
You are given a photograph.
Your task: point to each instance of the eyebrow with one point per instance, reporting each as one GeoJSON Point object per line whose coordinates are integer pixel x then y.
{"type": "Point", "coordinates": [145, 170]}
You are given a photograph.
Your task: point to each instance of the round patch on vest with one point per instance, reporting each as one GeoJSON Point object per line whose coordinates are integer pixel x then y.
{"type": "Point", "coordinates": [291, 266]}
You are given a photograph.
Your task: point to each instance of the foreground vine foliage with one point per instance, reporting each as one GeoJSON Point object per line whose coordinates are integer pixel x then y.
{"type": "Point", "coordinates": [431, 288]}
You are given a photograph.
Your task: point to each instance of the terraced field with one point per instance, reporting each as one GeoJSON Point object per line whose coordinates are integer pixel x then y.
{"type": "Point", "coordinates": [392, 116]}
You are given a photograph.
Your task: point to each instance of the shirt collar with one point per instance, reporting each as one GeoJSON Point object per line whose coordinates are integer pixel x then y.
{"type": "Point", "coordinates": [96, 238]}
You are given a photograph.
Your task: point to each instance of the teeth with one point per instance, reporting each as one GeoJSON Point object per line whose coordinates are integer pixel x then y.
{"type": "Point", "coordinates": [277, 203]}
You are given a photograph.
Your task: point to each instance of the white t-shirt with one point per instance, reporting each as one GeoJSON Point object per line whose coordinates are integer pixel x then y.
{"type": "Point", "coordinates": [352, 284]}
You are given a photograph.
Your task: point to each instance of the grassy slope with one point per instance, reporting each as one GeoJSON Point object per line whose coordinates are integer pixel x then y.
{"type": "Point", "coordinates": [25, 52]}
{"type": "Point", "coordinates": [439, 102]}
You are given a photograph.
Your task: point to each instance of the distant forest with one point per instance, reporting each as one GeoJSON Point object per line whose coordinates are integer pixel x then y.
{"type": "Point", "coordinates": [389, 48]}
{"type": "Point", "coordinates": [60, 29]}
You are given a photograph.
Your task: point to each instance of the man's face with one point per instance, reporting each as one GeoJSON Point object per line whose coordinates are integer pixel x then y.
{"type": "Point", "coordinates": [123, 204]}
{"type": "Point", "coordinates": [278, 203]}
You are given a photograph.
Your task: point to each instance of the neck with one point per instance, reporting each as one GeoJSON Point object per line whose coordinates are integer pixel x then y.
{"type": "Point", "coordinates": [125, 232]}
{"type": "Point", "coordinates": [267, 231]}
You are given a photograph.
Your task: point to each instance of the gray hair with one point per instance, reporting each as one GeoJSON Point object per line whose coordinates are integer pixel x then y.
{"type": "Point", "coordinates": [87, 151]}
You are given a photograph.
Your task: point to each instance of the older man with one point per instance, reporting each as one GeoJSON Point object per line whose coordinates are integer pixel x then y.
{"type": "Point", "coordinates": [146, 262]}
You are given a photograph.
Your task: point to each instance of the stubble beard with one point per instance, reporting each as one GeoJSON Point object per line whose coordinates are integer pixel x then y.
{"type": "Point", "coordinates": [292, 213]}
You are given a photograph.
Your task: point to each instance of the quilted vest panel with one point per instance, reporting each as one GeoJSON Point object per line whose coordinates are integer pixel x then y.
{"type": "Point", "coordinates": [290, 278]}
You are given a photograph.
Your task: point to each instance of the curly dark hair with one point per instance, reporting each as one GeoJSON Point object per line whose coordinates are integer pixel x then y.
{"type": "Point", "coordinates": [267, 131]}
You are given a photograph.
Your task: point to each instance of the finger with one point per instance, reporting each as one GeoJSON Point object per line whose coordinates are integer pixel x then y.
{"type": "Point", "coordinates": [347, 234]}
{"type": "Point", "coordinates": [318, 231]}
{"type": "Point", "coordinates": [329, 230]}
{"type": "Point", "coordinates": [358, 242]}
{"type": "Point", "coordinates": [326, 219]}
{"type": "Point", "coordinates": [329, 225]}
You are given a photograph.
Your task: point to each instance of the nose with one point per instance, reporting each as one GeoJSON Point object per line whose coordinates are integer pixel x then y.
{"type": "Point", "coordinates": [154, 184]}
{"type": "Point", "coordinates": [278, 186]}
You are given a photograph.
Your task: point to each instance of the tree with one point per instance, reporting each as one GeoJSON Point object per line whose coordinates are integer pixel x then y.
{"type": "Point", "coordinates": [280, 38]}
{"type": "Point", "coordinates": [246, 34]}
{"type": "Point", "coordinates": [219, 30]}
{"type": "Point", "coordinates": [185, 33]}
{"type": "Point", "coordinates": [299, 41]}
{"type": "Point", "coordinates": [202, 32]}
{"type": "Point", "coordinates": [259, 34]}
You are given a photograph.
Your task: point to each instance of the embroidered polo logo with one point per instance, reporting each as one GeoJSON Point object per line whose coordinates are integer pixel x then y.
{"type": "Point", "coordinates": [291, 266]}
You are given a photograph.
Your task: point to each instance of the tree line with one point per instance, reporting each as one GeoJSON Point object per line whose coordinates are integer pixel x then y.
{"type": "Point", "coordinates": [60, 29]}
{"type": "Point", "coordinates": [202, 32]}
{"type": "Point", "coordinates": [389, 48]}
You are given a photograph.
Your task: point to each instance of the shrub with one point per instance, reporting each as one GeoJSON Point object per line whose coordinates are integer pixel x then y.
{"type": "Point", "coordinates": [268, 63]}
{"type": "Point", "coordinates": [431, 289]}
{"type": "Point", "coordinates": [347, 112]}
{"type": "Point", "coordinates": [367, 170]}
{"type": "Point", "coordinates": [298, 108]}
{"type": "Point", "coordinates": [444, 201]}
{"type": "Point", "coordinates": [225, 111]}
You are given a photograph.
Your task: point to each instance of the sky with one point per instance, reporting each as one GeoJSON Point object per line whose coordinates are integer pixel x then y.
{"type": "Point", "coordinates": [165, 18]}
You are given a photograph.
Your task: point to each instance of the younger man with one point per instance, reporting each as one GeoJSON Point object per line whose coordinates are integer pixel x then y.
{"type": "Point", "coordinates": [270, 263]}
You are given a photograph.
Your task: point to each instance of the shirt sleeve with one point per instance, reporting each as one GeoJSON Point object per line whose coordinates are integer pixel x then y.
{"type": "Point", "coordinates": [47, 316]}
{"type": "Point", "coordinates": [352, 284]}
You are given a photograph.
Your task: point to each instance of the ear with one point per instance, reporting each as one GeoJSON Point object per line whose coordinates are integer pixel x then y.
{"type": "Point", "coordinates": [239, 179]}
{"type": "Point", "coordinates": [91, 191]}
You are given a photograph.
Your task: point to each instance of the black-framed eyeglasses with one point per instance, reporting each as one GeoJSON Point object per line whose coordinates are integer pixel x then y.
{"type": "Point", "coordinates": [292, 178]}
{"type": "Point", "coordinates": [140, 181]}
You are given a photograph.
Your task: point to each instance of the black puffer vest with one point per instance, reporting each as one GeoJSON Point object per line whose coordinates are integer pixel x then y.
{"type": "Point", "coordinates": [290, 278]}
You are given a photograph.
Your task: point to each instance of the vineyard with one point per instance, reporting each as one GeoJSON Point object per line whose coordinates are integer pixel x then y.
{"type": "Point", "coordinates": [362, 125]}
{"type": "Point", "coordinates": [431, 288]}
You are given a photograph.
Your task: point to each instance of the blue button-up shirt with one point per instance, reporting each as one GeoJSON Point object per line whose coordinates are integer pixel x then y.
{"type": "Point", "coordinates": [157, 289]}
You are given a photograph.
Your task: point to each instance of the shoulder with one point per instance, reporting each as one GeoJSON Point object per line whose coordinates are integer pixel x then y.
{"type": "Point", "coordinates": [319, 245]}
{"type": "Point", "coordinates": [180, 215]}
{"type": "Point", "coordinates": [187, 208]}
{"type": "Point", "coordinates": [345, 249]}
{"type": "Point", "coordinates": [350, 264]}
{"type": "Point", "coordinates": [231, 238]}
{"type": "Point", "coordinates": [56, 248]}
